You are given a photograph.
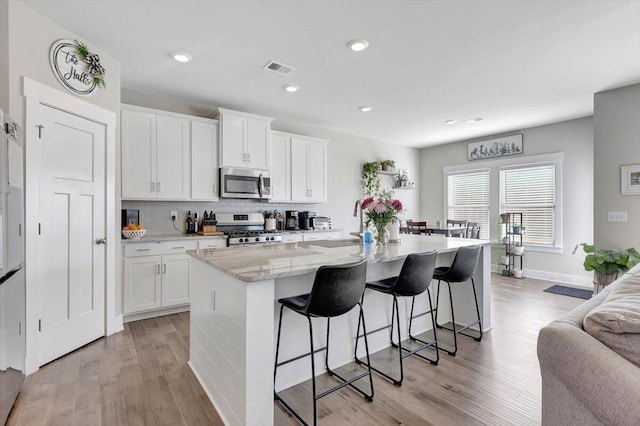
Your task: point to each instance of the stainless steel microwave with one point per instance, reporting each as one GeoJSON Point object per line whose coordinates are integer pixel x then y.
{"type": "Point", "coordinates": [245, 183]}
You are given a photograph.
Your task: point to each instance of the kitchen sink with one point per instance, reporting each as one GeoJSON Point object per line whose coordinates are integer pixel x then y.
{"type": "Point", "coordinates": [335, 243]}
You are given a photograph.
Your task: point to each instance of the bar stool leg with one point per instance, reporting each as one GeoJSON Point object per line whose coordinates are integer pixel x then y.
{"type": "Point", "coordinates": [366, 346]}
{"type": "Point", "coordinates": [473, 285]}
{"type": "Point", "coordinates": [438, 305]}
{"type": "Point", "coordinates": [453, 323]}
{"type": "Point", "coordinates": [313, 373]}
{"type": "Point", "coordinates": [275, 367]}
{"type": "Point", "coordinates": [396, 382]}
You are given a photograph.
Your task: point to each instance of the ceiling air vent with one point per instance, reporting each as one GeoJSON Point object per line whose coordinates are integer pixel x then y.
{"type": "Point", "coordinates": [279, 67]}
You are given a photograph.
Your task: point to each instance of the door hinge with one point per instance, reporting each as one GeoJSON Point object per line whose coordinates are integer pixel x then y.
{"type": "Point", "coordinates": [39, 325]}
{"type": "Point", "coordinates": [40, 127]}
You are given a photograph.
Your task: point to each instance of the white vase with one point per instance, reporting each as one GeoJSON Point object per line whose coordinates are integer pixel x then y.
{"type": "Point", "coordinates": [394, 230]}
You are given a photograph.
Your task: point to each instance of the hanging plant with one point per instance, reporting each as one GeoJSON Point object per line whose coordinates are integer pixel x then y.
{"type": "Point", "coordinates": [370, 178]}
{"type": "Point", "coordinates": [92, 60]}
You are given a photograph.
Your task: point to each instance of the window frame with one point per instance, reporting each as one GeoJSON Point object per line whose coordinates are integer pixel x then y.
{"type": "Point", "coordinates": [494, 167]}
{"type": "Point", "coordinates": [467, 172]}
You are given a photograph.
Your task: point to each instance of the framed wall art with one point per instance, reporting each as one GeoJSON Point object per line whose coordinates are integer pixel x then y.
{"type": "Point", "coordinates": [492, 148]}
{"type": "Point", "coordinates": [630, 180]}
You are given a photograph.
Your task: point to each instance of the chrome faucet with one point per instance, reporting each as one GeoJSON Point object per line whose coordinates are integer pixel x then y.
{"type": "Point", "coordinates": [356, 208]}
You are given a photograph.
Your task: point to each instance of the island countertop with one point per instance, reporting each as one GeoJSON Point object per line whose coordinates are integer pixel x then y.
{"type": "Point", "coordinates": [251, 263]}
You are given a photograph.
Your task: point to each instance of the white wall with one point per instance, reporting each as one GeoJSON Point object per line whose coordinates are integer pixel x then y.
{"type": "Point", "coordinates": [575, 139]}
{"type": "Point", "coordinates": [346, 155]}
{"type": "Point", "coordinates": [617, 143]}
{"type": "Point", "coordinates": [4, 55]}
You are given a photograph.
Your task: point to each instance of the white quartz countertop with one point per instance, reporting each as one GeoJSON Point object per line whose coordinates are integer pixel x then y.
{"type": "Point", "coordinates": [268, 261]}
{"type": "Point", "coordinates": [308, 231]}
{"type": "Point", "coordinates": [169, 237]}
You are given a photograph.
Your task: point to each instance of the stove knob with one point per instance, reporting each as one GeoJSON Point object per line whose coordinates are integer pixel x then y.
{"type": "Point", "coordinates": [257, 239]}
{"type": "Point", "coordinates": [273, 238]}
{"type": "Point", "coordinates": [246, 240]}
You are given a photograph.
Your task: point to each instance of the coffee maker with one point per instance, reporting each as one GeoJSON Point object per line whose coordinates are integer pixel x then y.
{"type": "Point", "coordinates": [306, 219]}
{"type": "Point", "coordinates": [291, 220]}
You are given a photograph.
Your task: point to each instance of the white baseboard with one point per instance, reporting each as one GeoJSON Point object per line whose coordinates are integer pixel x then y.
{"type": "Point", "coordinates": [157, 313]}
{"type": "Point", "coordinates": [576, 280]}
{"type": "Point", "coordinates": [206, 390]}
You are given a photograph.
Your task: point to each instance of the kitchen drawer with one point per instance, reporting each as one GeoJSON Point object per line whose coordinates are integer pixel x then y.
{"type": "Point", "coordinates": [291, 238]}
{"type": "Point", "coordinates": [315, 236]}
{"type": "Point", "coordinates": [152, 249]}
{"type": "Point", "coordinates": [212, 243]}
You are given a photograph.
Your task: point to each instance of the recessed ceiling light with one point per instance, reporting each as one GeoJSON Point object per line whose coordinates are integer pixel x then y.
{"type": "Point", "coordinates": [291, 88]}
{"type": "Point", "coordinates": [181, 57]}
{"type": "Point", "coordinates": [366, 108]}
{"type": "Point", "coordinates": [358, 45]}
{"type": "Point", "coordinates": [472, 120]}
{"type": "Point", "coordinates": [450, 122]}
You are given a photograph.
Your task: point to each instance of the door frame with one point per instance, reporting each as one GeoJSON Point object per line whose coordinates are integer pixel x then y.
{"type": "Point", "coordinates": [36, 94]}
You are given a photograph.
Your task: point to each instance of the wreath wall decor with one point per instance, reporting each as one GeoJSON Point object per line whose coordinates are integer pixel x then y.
{"type": "Point", "coordinates": [77, 69]}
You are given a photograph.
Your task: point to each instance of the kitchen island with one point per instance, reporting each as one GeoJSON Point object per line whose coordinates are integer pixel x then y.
{"type": "Point", "coordinates": [234, 295]}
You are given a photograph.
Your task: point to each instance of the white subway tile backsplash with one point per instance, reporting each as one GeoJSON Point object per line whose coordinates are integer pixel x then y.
{"type": "Point", "coordinates": [155, 215]}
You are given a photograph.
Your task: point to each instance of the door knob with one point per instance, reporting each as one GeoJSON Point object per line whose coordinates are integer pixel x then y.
{"type": "Point", "coordinates": [101, 241]}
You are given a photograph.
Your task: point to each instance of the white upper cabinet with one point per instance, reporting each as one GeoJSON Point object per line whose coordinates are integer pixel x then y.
{"type": "Point", "coordinates": [298, 169]}
{"type": "Point", "coordinates": [138, 154]}
{"type": "Point", "coordinates": [173, 158]}
{"type": "Point", "coordinates": [168, 156]}
{"type": "Point", "coordinates": [245, 140]}
{"type": "Point", "coordinates": [280, 167]}
{"type": "Point", "coordinates": [204, 161]}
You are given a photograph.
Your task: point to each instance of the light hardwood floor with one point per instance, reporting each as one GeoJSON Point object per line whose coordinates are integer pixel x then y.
{"type": "Point", "coordinates": [140, 377]}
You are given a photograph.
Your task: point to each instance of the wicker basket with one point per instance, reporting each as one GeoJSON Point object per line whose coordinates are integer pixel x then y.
{"type": "Point", "coordinates": [134, 235]}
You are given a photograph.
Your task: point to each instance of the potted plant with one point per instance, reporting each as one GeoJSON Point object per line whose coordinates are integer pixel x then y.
{"type": "Point", "coordinates": [607, 264]}
{"type": "Point", "coordinates": [388, 165]}
{"type": "Point", "coordinates": [402, 180]}
{"type": "Point", "coordinates": [370, 178]}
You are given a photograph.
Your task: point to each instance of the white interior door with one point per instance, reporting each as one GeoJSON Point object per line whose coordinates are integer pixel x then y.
{"type": "Point", "coordinates": [72, 217]}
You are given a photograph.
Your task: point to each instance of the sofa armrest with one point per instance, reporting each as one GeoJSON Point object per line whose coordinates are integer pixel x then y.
{"type": "Point", "coordinates": [603, 381]}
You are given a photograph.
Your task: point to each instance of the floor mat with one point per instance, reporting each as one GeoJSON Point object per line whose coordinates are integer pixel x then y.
{"type": "Point", "coordinates": [570, 291]}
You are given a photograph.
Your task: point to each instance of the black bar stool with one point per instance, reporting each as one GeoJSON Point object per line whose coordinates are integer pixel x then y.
{"type": "Point", "coordinates": [415, 277]}
{"type": "Point", "coordinates": [336, 290]}
{"type": "Point", "coordinates": [462, 269]}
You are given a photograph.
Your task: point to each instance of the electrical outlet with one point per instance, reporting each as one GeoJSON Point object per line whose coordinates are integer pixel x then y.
{"type": "Point", "coordinates": [174, 215]}
{"type": "Point", "coordinates": [212, 300]}
{"type": "Point", "coordinates": [617, 216]}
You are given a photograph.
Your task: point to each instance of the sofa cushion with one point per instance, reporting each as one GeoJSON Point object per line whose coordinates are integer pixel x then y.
{"type": "Point", "coordinates": [616, 322]}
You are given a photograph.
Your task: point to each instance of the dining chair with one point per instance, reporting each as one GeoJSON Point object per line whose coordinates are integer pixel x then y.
{"type": "Point", "coordinates": [456, 222]}
{"type": "Point", "coordinates": [417, 227]}
{"type": "Point", "coordinates": [473, 230]}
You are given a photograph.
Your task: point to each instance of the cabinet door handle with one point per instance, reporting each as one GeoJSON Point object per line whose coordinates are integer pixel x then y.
{"type": "Point", "coordinates": [143, 249]}
{"type": "Point", "coordinates": [158, 186]}
{"type": "Point", "coordinates": [164, 268]}
{"type": "Point", "coordinates": [176, 248]}
{"type": "Point", "coordinates": [215, 189]}
{"type": "Point", "coordinates": [249, 158]}
{"type": "Point", "coordinates": [153, 187]}
{"type": "Point", "coordinates": [158, 269]}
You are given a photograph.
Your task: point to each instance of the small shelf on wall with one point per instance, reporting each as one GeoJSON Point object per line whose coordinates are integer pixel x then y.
{"type": "Point", "coordinates": [388, 172]}
{"type": "Point", "coordinates": [404, 187]}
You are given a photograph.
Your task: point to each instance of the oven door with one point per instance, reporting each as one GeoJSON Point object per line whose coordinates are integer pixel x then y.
{"type": "Point", "coordinates": [244, 183]}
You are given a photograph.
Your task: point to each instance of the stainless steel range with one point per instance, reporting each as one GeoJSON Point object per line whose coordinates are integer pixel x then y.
{"type": "Point", "coordinates": [246, 228]}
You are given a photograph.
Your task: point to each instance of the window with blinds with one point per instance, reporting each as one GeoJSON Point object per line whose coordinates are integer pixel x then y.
{"type": "Point", "coordinates": [531, 190]}
{"type": "Point", "coordinates": [468, 199]}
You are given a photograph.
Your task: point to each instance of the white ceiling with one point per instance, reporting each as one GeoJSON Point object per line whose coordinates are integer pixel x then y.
{"type": "Point", "coordinates": [515, 63]}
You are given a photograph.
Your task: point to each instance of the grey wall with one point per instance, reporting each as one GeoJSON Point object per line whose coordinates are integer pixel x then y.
{"type": "Point", "coordinates": [575, 139]}
{"type": "Point", "coordinates": [346, 155]}
{"type": "Point", "coordinates": [617, 143]}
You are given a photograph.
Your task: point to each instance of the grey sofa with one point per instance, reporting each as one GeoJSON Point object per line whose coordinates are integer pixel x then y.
{"type": "Point", "coordinates": [584, 382]}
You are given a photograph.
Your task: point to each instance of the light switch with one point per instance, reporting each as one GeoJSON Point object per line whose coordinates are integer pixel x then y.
{"type": "Point", "coordinates": [617, 216]}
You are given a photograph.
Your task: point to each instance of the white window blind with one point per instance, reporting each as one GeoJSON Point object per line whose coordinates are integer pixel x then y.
{"type": "Point", "coordinates": [531, 190]}
{"type": "Point", "coordinates": [468, 199]}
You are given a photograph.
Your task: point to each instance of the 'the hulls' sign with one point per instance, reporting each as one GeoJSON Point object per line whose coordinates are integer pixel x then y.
{"type": "Point", "coordinates": [71, 69]}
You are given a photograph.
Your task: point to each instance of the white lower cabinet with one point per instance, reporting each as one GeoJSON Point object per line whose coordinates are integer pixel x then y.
{"type": "Point", "coordinates": [157, 276]}
{"type": "Point", "coordinates": [316, 236]}
{"type": "Point", "coordinates": [142, 284]}
{"type": "Point", "coordinates": [291, 238]}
